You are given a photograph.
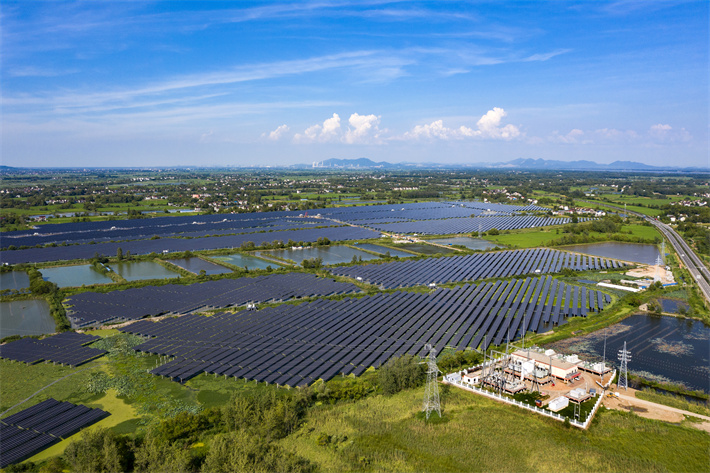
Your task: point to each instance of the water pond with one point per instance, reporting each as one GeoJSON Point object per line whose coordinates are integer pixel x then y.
{"type": "Point", "coordinates": [663, 349]}
{"type": "Point", "coordinates": [29, 317]}
{"type": "Point", "coordinates": [195, 265]}
{"type": "Point", "coordinates": [74, 276]}
{"type": "Point", "coordinates": [14, 280]}
{"type": "Point", "coordinates": [242, 261]}
{"type": "Point", "coordinates": [471, 243]}
{"type": "Point", "coordinates": [673, 306]}
{"type": "Point", "coordinates": [137, 270]}
{"type": "Point", "coordinates": [329, 254]}
{"type": "Point", "coordinates": [424, 249]}
{"type": "Point", "coordinates": [635, 252]}
{"type": "Point", "coordinates": [382, 250]}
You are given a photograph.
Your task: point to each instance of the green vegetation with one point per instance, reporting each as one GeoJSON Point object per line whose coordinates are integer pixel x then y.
{"type": "Point", "coordinates": [385, 434]}
{"type": "Point", "coordinates": [673, 400]}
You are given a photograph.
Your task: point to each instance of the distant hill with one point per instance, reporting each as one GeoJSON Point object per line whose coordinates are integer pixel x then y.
{"type": "Point", "coordinates": [582, 165]}
{"type": "Point", "coordinates": [520, 163]}
{"type": "Point", "coordinates": [352, 163]}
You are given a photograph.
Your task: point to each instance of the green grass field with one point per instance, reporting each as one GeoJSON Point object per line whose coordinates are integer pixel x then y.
{"type": "Point", "coordinates": [477, 434]}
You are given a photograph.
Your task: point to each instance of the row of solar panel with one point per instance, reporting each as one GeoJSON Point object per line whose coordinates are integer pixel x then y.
{"type": "Point", "coordinates": [469, 225]}
{"type": "Point", "coordinates": [36, 428]}
{"type": "Point", "coordinates": [138, 231]}
{"type": "Point", "coordinates": [139, 247]}
{"type": "Point", "coordinates": [499, 264]}
{"type": "Point", "coordinates": [117, 229]}
{"type": "Point", "coordinates": [90, 308]}
{"type": "Point", "coordinates": [66, 348]}
{"type": "Point", "coordinates": [200, 226]}
{"type": "Point", "coordinates": [296, 345]}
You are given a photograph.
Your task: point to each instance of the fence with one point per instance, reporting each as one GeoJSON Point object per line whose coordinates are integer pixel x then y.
{"type": "Point", "coordinates": [553, 415]}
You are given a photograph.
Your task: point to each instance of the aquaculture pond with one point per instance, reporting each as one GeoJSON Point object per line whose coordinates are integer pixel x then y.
{"type": "Point", "coordinates": [137, 270]}
{"type": "Point", "coordinates": [329, 254]}
{"type": "Point", "coordinates": [635, 252]}
{"type": "Point", "coordinates": [249, 262]}
{"type": "Point", "coordinates": [424, 249]}
{"type": "Point", "coordinates": [382, 250]}
{"type": "Point", "coordinates": [28, 317]}
{"type": "Point", "coordinates": [71, 276]}
{"type": "Point", "coordinates": [195, 265]}
{"type": "Point", "coordinates": [471, 243]}
{"type": "Point", "coordinates": [663, 348]}
{"type": "Point", "coordinates": [14, 280]}
{"type": "Point", "coordinates": [673, 306]}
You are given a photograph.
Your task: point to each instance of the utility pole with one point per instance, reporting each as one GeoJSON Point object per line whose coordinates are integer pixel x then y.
{"type": "Point", "coordinates": [431, 393]}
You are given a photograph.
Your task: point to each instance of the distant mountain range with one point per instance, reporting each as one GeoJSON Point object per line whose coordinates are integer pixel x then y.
{"type": "Point", "coordinates": [520, 163]}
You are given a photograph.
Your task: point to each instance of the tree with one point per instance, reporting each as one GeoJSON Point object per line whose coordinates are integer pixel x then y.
{"type": "Point", "coordinates": [400, 373]}
{"type": "Point", "coordinates": [97, 451]}
{"type": "Point", "coordinates": [119, 253]}
{"type": "Point", "coordinates": [160, 456]}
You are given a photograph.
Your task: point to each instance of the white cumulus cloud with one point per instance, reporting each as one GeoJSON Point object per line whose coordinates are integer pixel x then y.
{"type": "Point", "coordinates": [363, 128]}
{"type": "Point", "coordinates": [666, 133]}
{"type": "Point", "coordinates": [487, 127]}
{"type": "Point", "coordinates": [277, 134]}
{"type": "Point", "coordinates": [574, 136]}
{"type": "Point", "coordinates": [328, 131]}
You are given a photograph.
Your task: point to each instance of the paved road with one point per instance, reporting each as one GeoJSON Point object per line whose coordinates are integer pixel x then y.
{"type": "Point", "coordinates": [695, 265]}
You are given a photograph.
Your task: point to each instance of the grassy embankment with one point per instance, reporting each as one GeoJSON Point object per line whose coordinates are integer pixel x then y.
{"type": "Point", "coordinates": [535, 237]}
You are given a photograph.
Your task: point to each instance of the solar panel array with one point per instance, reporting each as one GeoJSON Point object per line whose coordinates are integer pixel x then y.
{"type": "Point", "coordinates": [469, 225]}
{"type": "Point", "coordinates": [121, 230]}
{"type": "Point", "coordinates": [36, 428]}
{"type": "Point", "coordinates": [207, 232]}
{"type": "Point", "coordinates": [499, 264]}
{"type": "Point", "coordinates": [297, 345]}
{"type": "Point", "coordinates": [91, 308]}
{"type": "Point", "coordinates": [66, 348]}
{"type": "Point", "coordinates": [139, 247]}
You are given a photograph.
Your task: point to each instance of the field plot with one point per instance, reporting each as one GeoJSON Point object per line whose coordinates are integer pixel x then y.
{"type": "Point", "coordinates": [471, 267]}
{"type": "Point", "coordinates": [66, 348]}
{"type": "Point", "coordinates": [297, 345]}
{"type": "Point", "coordinates": [37, 427]}
{"type": "Point", "coordinates": [160, 245]}
{"type": "Point", "coordinates": [90, 308]}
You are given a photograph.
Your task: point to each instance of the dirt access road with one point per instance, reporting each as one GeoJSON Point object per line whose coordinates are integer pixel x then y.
{"type": "Point", "coordinates": [628, 401]}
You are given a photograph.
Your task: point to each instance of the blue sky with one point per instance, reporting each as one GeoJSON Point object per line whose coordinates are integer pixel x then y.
{"type": "Point", "coordinates": [133, 83]}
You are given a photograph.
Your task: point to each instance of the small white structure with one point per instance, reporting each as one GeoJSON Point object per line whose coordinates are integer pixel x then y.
{"type": "Point", "coordinates": [472, 378]}
{"type": "Point", "coordinates": [558, 404]}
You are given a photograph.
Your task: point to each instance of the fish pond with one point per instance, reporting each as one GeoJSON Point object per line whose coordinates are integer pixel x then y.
{"type": "Point", "coordinates": [663, 349]}
{"type": "Point", "coordinates": [329, 254]}
{"type": "Point", "coordinates": [195, 265]}
{"type": "Point", "coordinates": [634, 252]}
{"type": "Point", "coordinates": [383, 250]}
{"type": "Point", "coordinates": [137, 270]}
{"type": "Point", "coordinates": [244, 261]}
{"type": "Point", "coordinates": [14, 281]}
{"type": "Point", "coordinates": [470, 243]}
{"type": "Point", "coordinates": [28, 317]}
{"type": "Point", "coordinates": [73, 276]}
{"type": "Point", "coordinates": [423, 248]}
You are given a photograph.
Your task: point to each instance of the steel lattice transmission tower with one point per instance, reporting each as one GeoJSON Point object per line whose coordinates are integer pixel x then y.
{"type": "Point", "coordinates": [624, 358]}
{"type": "Point", "coordinates": [431, 394]}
